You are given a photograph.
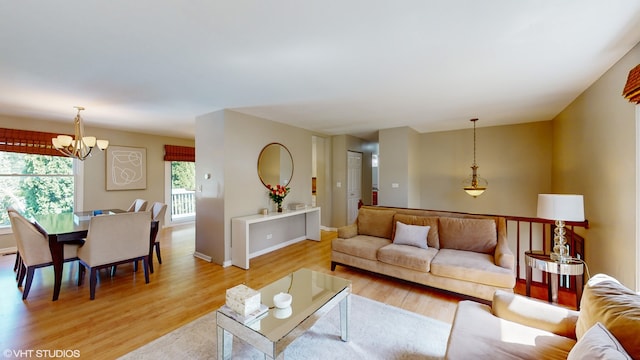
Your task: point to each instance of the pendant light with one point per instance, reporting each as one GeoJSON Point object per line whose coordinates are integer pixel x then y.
{"type": "Point", "coordinates": [79, 146]}
{"type": "Point", "coordinates": [474, 185]}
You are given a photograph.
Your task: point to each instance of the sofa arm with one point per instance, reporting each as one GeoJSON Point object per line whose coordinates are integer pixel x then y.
{"type": "Point", "coordinates": [535, 313]}
{"type": "Point", "coordinates": [503, 256]}
{"type": "Point", "coordinates": [348, 231]}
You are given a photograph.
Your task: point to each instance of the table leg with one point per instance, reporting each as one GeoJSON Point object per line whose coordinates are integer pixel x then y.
{"type": "Point", "coordinates": [57, 257]}
{"type": "Point", "coordinates": [553, 288]}
{"type": "Point", "coordinates": [152, 240]}
{"type": "Point", "coordinates": [225, 344]}
{"type": "Point", "coordinates": [345, 304]}
{"type": "Point", "coordinates": [529, 274]}
{"type": "Point", "coordinates": [579, 286]}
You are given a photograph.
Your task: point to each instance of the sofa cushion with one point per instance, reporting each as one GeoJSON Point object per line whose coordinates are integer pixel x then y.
{"type": "Point", "coordinates": [363, 246]}
{"type": "Point", "coordinates": [536, 313]}
{"type": "Point", "coordinates": [375, 222]}
{"type": "Point", "coordinates": [412, 235]}
{"type": "Point", "coordinates": [432, 239]}
{"type": "Point", "coordinates": [477, 334]}
{"type": "Point", "coordinates": [598, 343]}
{"type": "Point", "coordinates": [479, 235]}
{"type": "Point", "coordinates": [607, 301]}
{"type": "Point", "coordinates": [407, 256]}
{"type": "Point", "coordinates": [471, 266]}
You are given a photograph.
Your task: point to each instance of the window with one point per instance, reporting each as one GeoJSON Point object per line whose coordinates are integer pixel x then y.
{"type": "Point", "coordinates": [180, 177]}
{"type": "Point", "coordinates": [181, 192]}
{"type": "Point", "coordinates": [35, 184]}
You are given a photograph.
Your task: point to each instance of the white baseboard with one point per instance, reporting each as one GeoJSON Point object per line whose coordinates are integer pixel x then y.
{"type": "Point", "coordinates": [326, 228]}
{"type": "Point", "coordinates": [202, 256]}
{"type": "Point", "coordinates": [276, 247]}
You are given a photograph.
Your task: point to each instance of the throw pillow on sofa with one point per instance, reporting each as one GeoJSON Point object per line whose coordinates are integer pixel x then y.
{"type": "Point", "coordinates": [413, 235]}
{"type": "Point", "coordinates": [598, 343]}
{"type": "Point", "coordinates": [607, 301]}
{"type": "Point", "coordinates": [433, 241]}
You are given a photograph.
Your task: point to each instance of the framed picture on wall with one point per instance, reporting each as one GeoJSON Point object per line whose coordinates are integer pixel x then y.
{"type": "Point", "coordinates": [126, 168]}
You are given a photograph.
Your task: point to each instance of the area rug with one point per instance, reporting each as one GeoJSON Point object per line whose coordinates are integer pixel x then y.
{"type": "Point", "coordinates": [376, 331]}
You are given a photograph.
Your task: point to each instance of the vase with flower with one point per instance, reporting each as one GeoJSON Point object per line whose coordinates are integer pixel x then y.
{"type": "Point", "coordinates": [277, 193]}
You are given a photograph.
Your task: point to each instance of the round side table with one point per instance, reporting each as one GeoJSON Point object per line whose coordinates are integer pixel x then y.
{"type": "Point", "coordinates": [543, 262]}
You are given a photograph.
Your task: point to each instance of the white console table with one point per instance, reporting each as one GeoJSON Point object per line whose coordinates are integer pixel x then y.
{"type": "Point", "coordinates": [241, 232]}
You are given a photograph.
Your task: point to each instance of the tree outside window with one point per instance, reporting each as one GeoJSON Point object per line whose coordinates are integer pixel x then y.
{"type": "Point", "coordinates": [35, 184]}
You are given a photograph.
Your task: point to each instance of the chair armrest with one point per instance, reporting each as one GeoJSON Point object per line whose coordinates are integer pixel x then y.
{"type": "Point", "coordinates": [535, 313]}
{"type": "Point", "coordinates": [503, 256]}
{"type": "Point", "coordinates": [348, 231]}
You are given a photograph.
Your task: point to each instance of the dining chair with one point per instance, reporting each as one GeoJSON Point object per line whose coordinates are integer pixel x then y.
{"type": "Point", "coordinates": [138, 205]}
{"type": "Point", "coordinates": [33, 246]}
{"type": "Point", "coordinates": [113, 240]}
{"type": "Point", "coordinates": [158, 210]}
{"type": "Point", "coordinates": [17, 266]}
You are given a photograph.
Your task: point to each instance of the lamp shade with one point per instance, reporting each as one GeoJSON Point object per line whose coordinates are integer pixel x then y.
{"type": "Point", "coordinates": [561, 207]}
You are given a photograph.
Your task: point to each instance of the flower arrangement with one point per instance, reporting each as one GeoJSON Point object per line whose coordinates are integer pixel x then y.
{"type": "Point", "coordinates": [277, 193]}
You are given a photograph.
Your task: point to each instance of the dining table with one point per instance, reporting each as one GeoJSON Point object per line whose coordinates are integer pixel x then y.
{"type": "Point", "coordinates": [69, 228]}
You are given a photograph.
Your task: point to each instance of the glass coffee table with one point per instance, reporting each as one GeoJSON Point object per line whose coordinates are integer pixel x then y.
{"type": "Point", "coordinates": [314, 294]}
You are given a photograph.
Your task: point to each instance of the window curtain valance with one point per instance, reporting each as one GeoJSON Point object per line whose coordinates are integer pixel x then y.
{"type": "Point", "coordinates": [28, 142]}
{"type": "Point", "coordinates": [179, 153]}
{"type": "Point", "coordinates": [631, 90]}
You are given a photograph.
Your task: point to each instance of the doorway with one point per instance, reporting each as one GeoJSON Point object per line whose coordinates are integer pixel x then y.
{"type": "Point", "coordinates": [354, 184]}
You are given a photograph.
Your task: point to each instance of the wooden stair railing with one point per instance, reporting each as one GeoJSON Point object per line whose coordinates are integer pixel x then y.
{"type": "Point", "coordinates": [537, 234]}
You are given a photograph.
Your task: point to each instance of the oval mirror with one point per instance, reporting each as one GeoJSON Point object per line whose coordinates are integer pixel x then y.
{"type": "Point", "coordinates": [275, 165]}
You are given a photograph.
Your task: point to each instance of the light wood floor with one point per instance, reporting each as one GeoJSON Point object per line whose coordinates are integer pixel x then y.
{"type": "Point", "coordinates": [128, 313]}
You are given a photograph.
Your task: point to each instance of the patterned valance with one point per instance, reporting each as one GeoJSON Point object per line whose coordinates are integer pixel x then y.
{"type": "Point", "coordinates": [28, 142]}
{"type": "Point", "coordinates": [632, 88]}
{"type": "Point", "coordinates": [179, 153]}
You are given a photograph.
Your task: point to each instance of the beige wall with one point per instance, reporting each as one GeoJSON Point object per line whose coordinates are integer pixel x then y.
{"type": "Point", "coordinates": [341, 144]}
{"type": "Point", "coordinates": [232, 143]}
{"type": "Point", "coordinates": [399, 163]}
{"type": "Point", "coordinates": [595, 155]}
{"type": "Point", "coordinates": [95, 194]}
{"type": "Point", "coordinates": [515, 159]}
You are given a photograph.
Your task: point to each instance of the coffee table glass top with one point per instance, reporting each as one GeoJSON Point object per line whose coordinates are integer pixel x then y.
{"type": "Point", "coordinates": [310, 291]}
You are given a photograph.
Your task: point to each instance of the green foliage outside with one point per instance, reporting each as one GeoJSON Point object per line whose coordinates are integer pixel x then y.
{"type": "Point", "coordinates": [35, 184]}
{"type": "Point", "coordinates": [183, 175]}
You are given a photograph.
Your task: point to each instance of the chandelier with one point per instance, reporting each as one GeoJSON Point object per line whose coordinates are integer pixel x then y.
{"type": "Point", "coordinates": [79, 146]}
{"type": "Point", "coordinates": [474, 185]}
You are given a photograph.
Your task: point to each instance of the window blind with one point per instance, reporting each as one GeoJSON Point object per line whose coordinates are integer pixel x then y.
{"type": "Point", "coordinates": [28, 142]}
{"type": "Point", "coordinates": [179, 153]}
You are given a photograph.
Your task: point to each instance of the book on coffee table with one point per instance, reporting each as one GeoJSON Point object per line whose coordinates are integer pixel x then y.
{"type": "Point", "coordinates": [258, 314]}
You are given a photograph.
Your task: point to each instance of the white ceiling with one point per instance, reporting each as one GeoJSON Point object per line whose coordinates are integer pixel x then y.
{"type": "Point", "coordinates": [333, 66]}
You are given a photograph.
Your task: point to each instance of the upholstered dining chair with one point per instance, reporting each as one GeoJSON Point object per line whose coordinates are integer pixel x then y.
{"type": "Point", "coordinates": [17, 266]}
{"type": "Point", "coordinates": [158, 210]}
{"type": "Point", "coordinates": [33, 247]}
{"type": "Point", "coordinates": [138, 205]}
{"type": "Point", "coordinates": [113, 240]}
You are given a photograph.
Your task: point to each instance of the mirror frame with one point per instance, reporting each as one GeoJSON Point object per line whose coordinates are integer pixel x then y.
{"type": "Point", "coordinates": [260, 158]}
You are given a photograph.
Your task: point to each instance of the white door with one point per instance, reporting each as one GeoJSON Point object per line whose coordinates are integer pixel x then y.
{"type": "Point", "coordinates": [354, 185]}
